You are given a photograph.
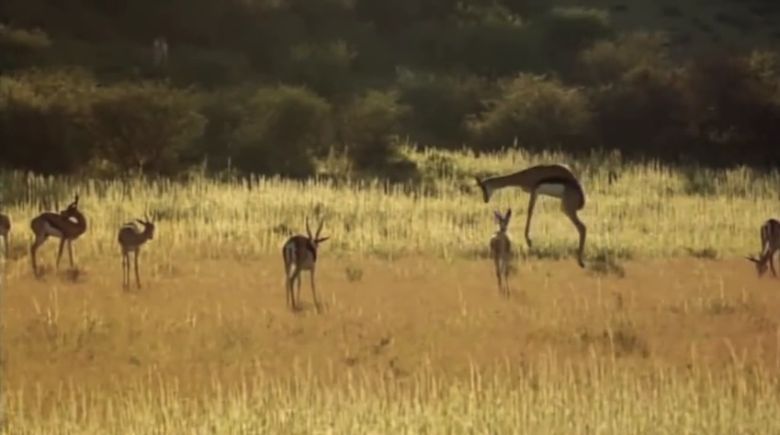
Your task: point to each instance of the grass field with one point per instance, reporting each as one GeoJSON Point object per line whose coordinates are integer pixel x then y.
{"type": "Point", "coordinates": [667, 330]}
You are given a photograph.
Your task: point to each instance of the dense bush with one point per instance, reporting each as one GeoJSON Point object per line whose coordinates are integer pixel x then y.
{"type": "Point", "coordinates": [274, 85]}
{"type": "Point", "coordinates": [536, 112]}
{"type": "Point", "coordinates": [607, 60]}
{"type": "Point", "coordinates": [736, 106]}
{"type": "Point", "coordinates": [224, 111]}
{"type": "Point", "coordinates": [145, 126]}
{"type": "Point", "coordinates": [282, 130]}
{"type": "Point", "coordinates": [19, 46]}
{"type": "Point", "coordinates": [324, 68]}
{"type": "Point", "coordinates": [370, 126]}
{"type": "Point", "coordinates": [563, 32]}
{"type": "Point", "coordinates": [440, 104]}
{"type": "Point", "coordinates": [644, 113]}
{"type": "Point", "coordinates": [43, 119]}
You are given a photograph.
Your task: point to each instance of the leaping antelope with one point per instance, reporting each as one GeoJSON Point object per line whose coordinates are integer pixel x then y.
{"type": "Point", "coordinates": [130, 239]}
{"type": "Point", "coordinates": [60, 225]}
{"type": "Point", "coordinates": [770, 243]}
{"type": "Point", "coordinates": [552, 180]}
{"type": "Point", "coordinates": [300, 254]}
{"type": "Point", "coordinates": [501, 251]}
{"type": "Point", "coordinates": [5, 228]}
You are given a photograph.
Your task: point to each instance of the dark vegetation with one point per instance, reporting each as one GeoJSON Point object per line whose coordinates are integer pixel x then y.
{"type": "Point", "coordinates": [274, 86]}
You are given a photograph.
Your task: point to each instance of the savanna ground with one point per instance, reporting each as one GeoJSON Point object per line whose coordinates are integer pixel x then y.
{"type": "Point", "coordinates": [667, 330]}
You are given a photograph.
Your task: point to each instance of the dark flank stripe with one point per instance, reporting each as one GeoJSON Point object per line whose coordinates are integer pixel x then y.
{"type": "Point", "coordinates": [556, 180]}
{"type": "Point", "coordinates": [53, 220]}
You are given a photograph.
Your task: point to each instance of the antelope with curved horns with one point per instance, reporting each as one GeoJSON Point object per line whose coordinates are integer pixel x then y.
{"type": "Point", "coordinates": [554, 180]}
{"type": "Point", "coordinates": [131, 238]}
{"type": "Point", "coordinates": [5, 229]}
{"type": "Point", "coordinates": [501, 251]}
{"type": "Point", "coordinates": [770, 243]}
{"type": "Point", "coordinates": [300, 254]}
{"type": "Point", "coordinates": [67, 225]}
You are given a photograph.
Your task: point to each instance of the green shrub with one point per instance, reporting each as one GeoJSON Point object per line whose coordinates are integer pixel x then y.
{"type": "Point", "coordinates": [145, 126]}
{"type": "Point", "coordinates": [644, 113]}
{"type": "Point", "coordinates": [324, 68]}
{"type": "Point", "coordinates": [283, 129]}
{"type": "Point", "coordinates": [206, 67]}
{"type": "Point", "coordinates": [490, 40]}
{"type": "Point", "coordinates": [18, 41]}
{"type": "Point", "coordinates": [43, 118]}
{"type": "Point", "coordinates": [736, 107]}
{"type": "Point", "coordinates": [369, 127]}
{"type": "Point", "coordinates": [439, 106]}
{"type": "Point", "coordinates": [224, 112]}
{"type": "Point", "coordinates": [564, 31]}
{"type": "Point", "coordinates": [608, 60]}
{"type": "Point", "coordinates": [535, 112]}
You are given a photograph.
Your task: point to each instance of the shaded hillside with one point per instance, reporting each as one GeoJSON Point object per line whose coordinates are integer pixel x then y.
{"type": "Point", "coordinates": [696, 26]}
{"type": "Point", "coordinates": [280, 86]}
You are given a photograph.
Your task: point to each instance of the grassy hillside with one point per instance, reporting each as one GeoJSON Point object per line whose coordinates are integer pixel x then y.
{"type": "Point", "coordinates": [650, 211]}
{"type": "Point", "coordinates": [667, 330]}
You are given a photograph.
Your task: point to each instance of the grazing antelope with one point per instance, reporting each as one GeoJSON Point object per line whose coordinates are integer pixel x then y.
{"type": "Point", "coordinates": [770, 243]}
{"type": "Point", "coordinates": [61, 225]}
{"type": "Point", "coordinates": [5, 228]}
{"type": "Point", "coordinates": [552, 180]}
{"type": "Point", "coordinates": [300, 254]}
{"type": "Point", "coordinates": [130, 239]}
{"type": "Point", "coordinates": [501, 251]}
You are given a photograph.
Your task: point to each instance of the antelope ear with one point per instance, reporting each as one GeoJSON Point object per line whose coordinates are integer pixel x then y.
{"type": "Point", "coordinates": [751, 259]}
{"type": "Point", "coordinates": [508, 214]}
{"type": "Point", "coordinates": [497, 215]}
{"type": "Point", "coordinates": [321, 239]}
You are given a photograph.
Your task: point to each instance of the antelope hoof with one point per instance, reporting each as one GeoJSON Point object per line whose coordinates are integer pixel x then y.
{"type": "Point", "coordinates": [528, 241]}
{"type": "Point", "coordinates": [581, 263]}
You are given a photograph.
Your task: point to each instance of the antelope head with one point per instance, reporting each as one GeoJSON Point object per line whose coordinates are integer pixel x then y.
{"type": "Point", "coordinates": [72, 209]}
{"type": "Point", "coordinates": [315, 239]}
{"type": "Point", "coordinates": [148, 226]}
{"type": "Point", "coordinates": [485, 192]}
{"type": "Point", "coordinates": [761, 265]}
{"type": "Point", "coordinates": [503, 220]}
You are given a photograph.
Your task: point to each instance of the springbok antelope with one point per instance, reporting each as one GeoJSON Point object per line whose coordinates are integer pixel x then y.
{"type": "Point", "coordinates": [501, 251]}
{"type": "Point", "coordinates": [5, 229]}
{"type": "Point", "coordinates": [770, 243]}
{"type": "Point", "coordinates": [300, 254]}
{"type": "Point", "coordinates": [60, 225]}
{"type": "Point", "coordinates": [130, 239]}
{"type": "Point", "coordinates": [552, 180]}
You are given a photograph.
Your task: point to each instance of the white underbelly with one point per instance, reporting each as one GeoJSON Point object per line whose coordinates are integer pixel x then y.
{"type": "Point", "coordinates": [551, 189]}
{"type": "Point", "coordinates": [51, 231]}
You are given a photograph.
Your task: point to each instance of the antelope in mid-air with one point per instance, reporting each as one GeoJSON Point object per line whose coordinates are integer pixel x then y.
{"type": "Point", "coordinates": [552, 180]}
{"type": "Point", "coordinates": [5, 229]}
{"type": "Point", "coordinates": [300, 254]}
{"type": "Point", "coordinates": [131, 238]}
{"type": "Point", "coordinates": [770, 243]}
{"type": "Point", "coordinates": [66, 225]}
{"type": "Point", "coordinates": [501, 251]}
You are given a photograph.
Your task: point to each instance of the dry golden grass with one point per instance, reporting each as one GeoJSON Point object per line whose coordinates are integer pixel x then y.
{"type": "Point", "coordinates": [415, 337]}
